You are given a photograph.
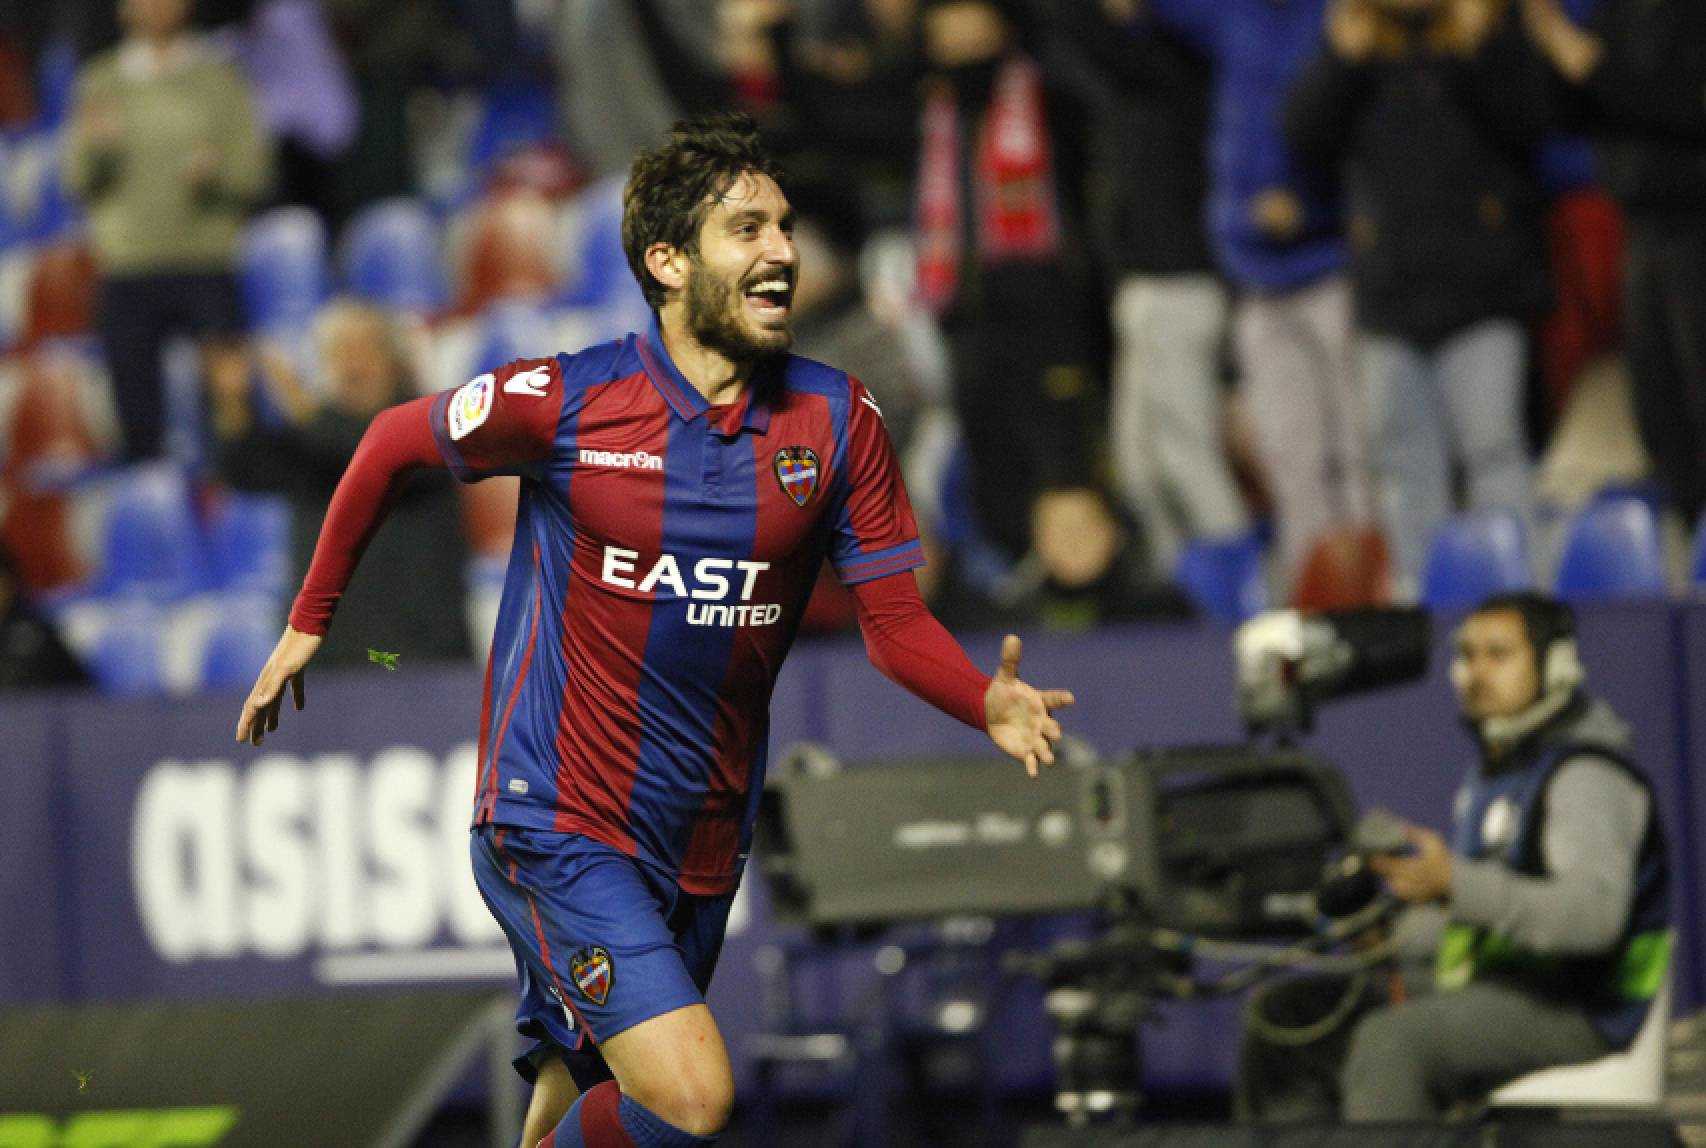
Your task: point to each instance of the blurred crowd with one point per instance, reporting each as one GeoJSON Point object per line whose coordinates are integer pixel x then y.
{"type": "Point", "coordinates": [1173, 307]}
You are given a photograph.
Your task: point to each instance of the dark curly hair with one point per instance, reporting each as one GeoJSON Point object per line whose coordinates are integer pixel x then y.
{"type": "Point", "coordinates": [672, 187]}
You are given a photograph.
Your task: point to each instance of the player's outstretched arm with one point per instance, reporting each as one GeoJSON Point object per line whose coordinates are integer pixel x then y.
{"type": "Point", "coordinates": [1019, 717]}
{"type": "Point", "coordinates": [288, 663]}
{"type": "Point", "coordinates": [398, 440]}
{"type": "Point", "coordinates": [906, 642]}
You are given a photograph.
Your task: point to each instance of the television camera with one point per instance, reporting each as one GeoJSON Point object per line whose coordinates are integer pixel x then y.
{"type": "Point", "coordinates": [1247, 855]}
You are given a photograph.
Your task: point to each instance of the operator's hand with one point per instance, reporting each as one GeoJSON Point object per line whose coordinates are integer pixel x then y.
{"type": "Point", "coordinates": [289, 657]}
{"type": "Point", "coordinates": [1018, 715]}
{"type": "Point", "coordinates": [1421, 877]}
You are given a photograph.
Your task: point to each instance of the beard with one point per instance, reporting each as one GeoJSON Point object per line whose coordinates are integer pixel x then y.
{"type": "Point", "coordinates": [714, 316]}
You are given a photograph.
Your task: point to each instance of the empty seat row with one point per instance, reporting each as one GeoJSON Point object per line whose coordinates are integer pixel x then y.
{"type": "Point", "coordinates": [1612, 550]}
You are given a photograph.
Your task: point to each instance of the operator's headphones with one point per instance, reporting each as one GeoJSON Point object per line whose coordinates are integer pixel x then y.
{"type": "Point", "coordinates": [1551, 629]}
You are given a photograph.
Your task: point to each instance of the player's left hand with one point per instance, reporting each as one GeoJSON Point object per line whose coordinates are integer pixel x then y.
{"type": "Point", "coordinates": [1422, 876]}
{"type": "Point", "coordinates": [288, 660]}
{"type": "Point", "coordinates": [1018, 715]}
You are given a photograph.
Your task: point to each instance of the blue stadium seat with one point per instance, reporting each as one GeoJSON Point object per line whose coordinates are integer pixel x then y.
{"type": "Point", "coordinates": [248, 543]}
{"type": "Point", "coordinates": [1612, 550]}
{"type": "Point", "coordinates": [150, 545]}
{"type": "Point", "coordinates": [516, 115]}
{"type": "Point", "coordinates": [978, 562]}
{"type": "Point", "coordinates": [56, 210]}
{"type": "Point", "coordinates": [513, 329]}
{"type": "Point", "coordinates": [1697, 566]}
{"type": "Point", "coordinates": [125, 659]}
{"type": "Point", "coordinates": [597, 266]}
{"type": "Point", "coordinates": [1223, 576]}
{"type": "Point", "coordinates": [56, 81]}
{"type": "Point", "coordinates": [283, 270]}
{"type": "Point", "coordinates": [1473, 556]}
{"type": "Point", "coordinates": [34, 204]}
{"type": "Point", "coordinates": [237, 648]}
{"type": "Point", "coordinates": [390, 254]}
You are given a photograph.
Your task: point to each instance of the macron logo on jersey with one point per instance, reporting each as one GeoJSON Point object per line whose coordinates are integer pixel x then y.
{"type": "Point", "coordinates": [628, 460]}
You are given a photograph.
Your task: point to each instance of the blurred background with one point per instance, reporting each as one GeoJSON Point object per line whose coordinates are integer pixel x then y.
{"type": "Point", "coordinates": [1177, 310]}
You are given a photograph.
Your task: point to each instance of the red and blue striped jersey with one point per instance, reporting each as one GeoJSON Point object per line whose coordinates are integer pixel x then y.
{"type": "Point", "coordinates": [664, 551]}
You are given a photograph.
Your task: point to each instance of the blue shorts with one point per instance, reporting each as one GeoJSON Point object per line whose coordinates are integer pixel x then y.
{"type": "Point", "coordinates": [601, 941]}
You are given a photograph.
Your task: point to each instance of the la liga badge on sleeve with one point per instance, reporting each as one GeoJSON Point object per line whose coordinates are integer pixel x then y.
{"type": "Point", "coordinates": [593, 972]}
{"type": "Point", "coordinates": [796, 471]}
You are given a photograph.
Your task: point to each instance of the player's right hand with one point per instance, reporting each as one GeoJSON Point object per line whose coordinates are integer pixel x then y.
{"type": "Point", "coordinates": [287, 663]}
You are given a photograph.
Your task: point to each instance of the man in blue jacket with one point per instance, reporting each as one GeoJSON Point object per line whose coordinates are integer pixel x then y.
{"type": "Point", "coordinates": [1276, 231]}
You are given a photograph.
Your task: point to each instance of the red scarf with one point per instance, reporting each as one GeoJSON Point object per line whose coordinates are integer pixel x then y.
{"type": "Point", "coordinates": [1013, 175]}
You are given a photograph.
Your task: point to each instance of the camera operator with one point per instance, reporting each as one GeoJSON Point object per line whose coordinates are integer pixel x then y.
{"type": "Point", "coordinates": [1549, 905]}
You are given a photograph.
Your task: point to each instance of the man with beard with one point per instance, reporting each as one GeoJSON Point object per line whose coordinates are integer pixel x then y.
{"type": "Point", "coordinates": [1545, 913]}
{"type": "Point", "coordinates": [680, 489]}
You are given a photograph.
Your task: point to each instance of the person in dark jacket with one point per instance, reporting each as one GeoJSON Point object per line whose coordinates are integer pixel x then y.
{"type": "Point", "coordinates": [1634, 77]}
{"type": "Point", "coordinates": [366, 369]}
{"type": "Point", "coordinates": [1436, 108]}
{"type": "Point", "coordinates": [1276, 229]}
{"type": "Point", "coordinates": [1149, 177]}
{"type": "Point", "coordinates": [1000, 265]}
{"type": "Point", "coordinates": [32, 654]}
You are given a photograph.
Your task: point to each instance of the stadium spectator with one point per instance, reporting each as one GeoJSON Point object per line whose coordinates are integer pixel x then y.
{"type": "Point", "coordinates": [1633, 76]}
{"type": "Point", "coordinates": [834, 324]}
{"type": "Point", "coordinates": [506, 251]}
{"type": "Point", "coordinates": [306, 97]}
{"type": "Point", "coordinates": [1437, 107]}
{"type": "Point", "coordinates": [1545, 916]}
{"type": "Point", "coordinates": [1166, 415]}
{"type": "Point", "coordinates": [1000, 266]}
{"type": "Point", "coordinates": [393, 48]}
{"type": "Point", "coordinates": [842, 93]}
{"type": "Point", "coordinates": [167, 152]}
{"type": "Point", "coordinates": [305, 449]}
{"type": "Point", "coordinates": [1276, 231]}
{"type": "Point", "coordinates": [1089, 567]}
{"type": "Point", "coordinates": [32, 655]}
{"type": "Point", "coordinates": [628, 69]}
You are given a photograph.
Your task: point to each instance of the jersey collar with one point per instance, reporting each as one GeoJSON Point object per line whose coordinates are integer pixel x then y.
{"type": "Point", "coordinates": [685, 400]}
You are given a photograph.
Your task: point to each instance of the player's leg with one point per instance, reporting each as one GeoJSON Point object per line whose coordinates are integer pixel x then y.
{"type": "Point", "coordinates": [673, 1072]}
{"type": "Point", "coordinates": [676, 1065]}
{"type": "Point", "coordinates": [554, 1093]}
{"type": "Point", "coordinates": [592, 925]}
{"type": "Point", "coordinates": [674, 1079]}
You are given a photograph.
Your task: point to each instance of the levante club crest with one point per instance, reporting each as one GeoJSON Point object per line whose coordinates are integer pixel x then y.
{"type": "Point", "coordinates": [593, 973]}
{"type": "Point", "coordinates": [796, 470]}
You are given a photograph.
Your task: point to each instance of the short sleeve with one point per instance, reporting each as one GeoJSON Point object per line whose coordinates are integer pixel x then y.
{"type": "Point", "coordinates": [503, 422]}
{"type": "Point", "coordinates": [873, 532]}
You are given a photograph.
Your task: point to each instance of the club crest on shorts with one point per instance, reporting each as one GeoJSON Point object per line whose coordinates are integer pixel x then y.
{"type": "Point", "coordinates": [593, 973]}
{"type": "Point", "coordinates": [796, 470]}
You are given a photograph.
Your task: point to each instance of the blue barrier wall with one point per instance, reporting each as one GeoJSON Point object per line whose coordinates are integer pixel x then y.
{"type": "Point", "coordinates": [150, 856]}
